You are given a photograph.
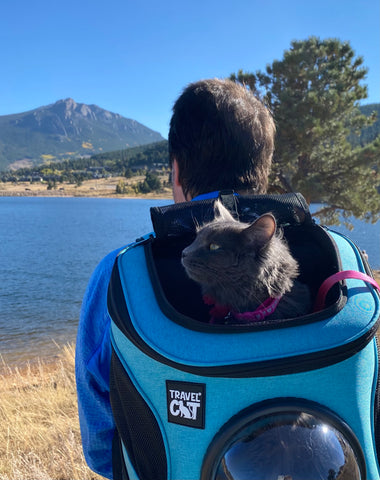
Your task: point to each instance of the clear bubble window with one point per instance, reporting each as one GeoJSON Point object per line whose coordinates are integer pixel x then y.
{"type": "Point", "coordinates": [299, 444]}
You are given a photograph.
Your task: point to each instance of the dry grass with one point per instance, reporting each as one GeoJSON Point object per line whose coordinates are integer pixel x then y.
{"type": "Point", "coordinates": [39, 433]}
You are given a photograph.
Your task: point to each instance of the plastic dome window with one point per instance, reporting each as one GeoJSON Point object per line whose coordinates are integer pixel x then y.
{"type": "Point", "coordinates": [285, 442]}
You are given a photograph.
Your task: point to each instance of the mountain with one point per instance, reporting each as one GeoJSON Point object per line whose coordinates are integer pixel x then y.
{"type": "Point", "coordinates": [66, 129]}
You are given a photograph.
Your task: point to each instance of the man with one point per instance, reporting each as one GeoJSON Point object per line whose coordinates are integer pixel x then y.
{"type": "Point", "coordinates": [221, 137]}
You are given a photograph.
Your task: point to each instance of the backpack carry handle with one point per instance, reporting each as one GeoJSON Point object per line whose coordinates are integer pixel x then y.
{"type": "Point", "coordinates": [336, 277]}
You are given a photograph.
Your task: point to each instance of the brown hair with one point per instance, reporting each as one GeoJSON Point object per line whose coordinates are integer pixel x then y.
{"type": "Point", "coordinates": [222, 137]}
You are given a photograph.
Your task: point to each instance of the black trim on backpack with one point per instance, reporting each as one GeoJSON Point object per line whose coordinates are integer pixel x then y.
{"type": "Point", "coordinates": [137, 428]}
{"type": "Point", "coordinates": [296, 364]}
{"type": "Point", "coordinates": [376, 406]}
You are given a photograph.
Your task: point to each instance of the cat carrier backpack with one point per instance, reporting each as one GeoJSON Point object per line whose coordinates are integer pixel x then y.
{"type": "Point", "coordinates": [288, 399]}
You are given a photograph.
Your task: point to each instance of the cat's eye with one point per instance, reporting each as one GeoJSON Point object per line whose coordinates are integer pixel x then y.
{"type": "Point", "coordinates": [214, 246]}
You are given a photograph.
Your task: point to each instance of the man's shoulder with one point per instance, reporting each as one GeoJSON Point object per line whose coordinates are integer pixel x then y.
{"type": "Point", "coordinates": [105, 265]}
{"type": "Point", "coordinates": [103, 270]}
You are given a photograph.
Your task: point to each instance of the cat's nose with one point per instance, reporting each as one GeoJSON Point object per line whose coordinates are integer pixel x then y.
{"type": "Point", "coordinates": [185, 252]}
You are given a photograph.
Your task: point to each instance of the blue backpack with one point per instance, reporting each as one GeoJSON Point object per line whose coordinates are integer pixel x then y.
{"type": "Point", "coordinates": [289, 399]}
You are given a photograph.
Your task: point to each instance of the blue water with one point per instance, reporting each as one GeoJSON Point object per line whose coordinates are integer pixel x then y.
{"type": "Point", "coordinates": [48, 250]}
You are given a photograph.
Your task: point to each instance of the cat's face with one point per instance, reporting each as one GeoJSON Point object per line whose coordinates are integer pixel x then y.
{"type": "Point", "coordinates": [224, 249]}
{"type": "Point", "coordinates": [214, 252]}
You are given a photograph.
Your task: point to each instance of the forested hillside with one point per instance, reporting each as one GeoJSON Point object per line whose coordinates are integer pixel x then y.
{"type": "Point", "coordinates": [128, 162]}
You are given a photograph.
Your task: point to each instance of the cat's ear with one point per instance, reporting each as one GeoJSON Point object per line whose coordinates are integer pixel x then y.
{"type": "Point", "coordinates": [221, 212]}
{"type": "Point", "coordinates": [261, 230]}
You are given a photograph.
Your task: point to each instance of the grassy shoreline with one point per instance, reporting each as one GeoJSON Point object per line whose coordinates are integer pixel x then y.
{"type": "Point", "coordinates": [40, 437]}
{"type": "Point", "coordinates": [96, 188]}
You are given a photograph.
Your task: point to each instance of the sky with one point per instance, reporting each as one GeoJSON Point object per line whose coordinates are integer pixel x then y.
{"type": "Point", "coordinates": [135, 57]}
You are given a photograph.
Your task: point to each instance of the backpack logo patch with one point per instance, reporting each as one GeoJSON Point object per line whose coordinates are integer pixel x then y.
{"type": "Point", "coordinates": [186, 403]}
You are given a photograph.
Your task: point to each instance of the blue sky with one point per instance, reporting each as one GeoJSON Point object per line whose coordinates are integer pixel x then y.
{"type": "Point", "coordinates": [135, 57]}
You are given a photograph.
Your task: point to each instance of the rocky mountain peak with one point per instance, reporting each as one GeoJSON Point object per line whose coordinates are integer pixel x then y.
{"type": "Point", "coordinates": [67, 129]}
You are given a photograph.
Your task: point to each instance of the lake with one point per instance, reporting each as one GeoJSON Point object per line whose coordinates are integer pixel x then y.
{"type": "Point", "coordinates": [48, 250]}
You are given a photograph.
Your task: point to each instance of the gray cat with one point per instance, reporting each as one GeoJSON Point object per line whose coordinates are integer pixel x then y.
{"type": "Point", "coordinates": [246, 270]}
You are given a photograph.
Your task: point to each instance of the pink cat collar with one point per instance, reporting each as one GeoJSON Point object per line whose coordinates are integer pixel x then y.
{"type": "Point", "coordinates": [261, 312]}
{"type": "Point", "coordinates": [219, 312]}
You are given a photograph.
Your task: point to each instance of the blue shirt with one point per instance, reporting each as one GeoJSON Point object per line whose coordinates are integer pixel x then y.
{"type": "Point", "coordinates": [92, 368]}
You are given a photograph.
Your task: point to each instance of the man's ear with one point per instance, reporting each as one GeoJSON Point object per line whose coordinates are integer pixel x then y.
{"type": "Point", "coordinates": [175, 176]}
{"type": "Point", "coordinates": [178, 194]}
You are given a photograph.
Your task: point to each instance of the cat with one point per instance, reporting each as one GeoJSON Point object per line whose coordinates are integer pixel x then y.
{"type": "Point", "coordinates": [242, 266]}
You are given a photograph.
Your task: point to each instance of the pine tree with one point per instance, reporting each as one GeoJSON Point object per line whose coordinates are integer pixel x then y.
{"type": "Point", "coordinates": [314, 94]}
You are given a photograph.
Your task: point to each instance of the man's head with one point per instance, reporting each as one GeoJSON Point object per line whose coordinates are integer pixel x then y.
{"type": "Point", "coordinates": [221, 137]}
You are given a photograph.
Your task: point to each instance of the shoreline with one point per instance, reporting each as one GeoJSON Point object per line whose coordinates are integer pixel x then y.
{"type": "Point", "coordinates": [143, 196]}
{"type": "Point", "coordinates": [96, 188]}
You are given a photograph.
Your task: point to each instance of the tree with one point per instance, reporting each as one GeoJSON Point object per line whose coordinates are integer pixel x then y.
{"type": "Point", "coordinates": [150, 183]}
{"type": "Point", "coordinates": [314, 94]}
{"type": "Point", "coordinates": [128, 173]}
{"type": "Point", "coordinates": [121, 187]}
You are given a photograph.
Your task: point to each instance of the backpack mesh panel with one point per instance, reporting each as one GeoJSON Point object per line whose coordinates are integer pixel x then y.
{"type": "Point", "coordinates": [119, 471]}
{"type": "Point", "coordinates": [181, 218]}
{"type": "Point", "coordinates": [136, 426]}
